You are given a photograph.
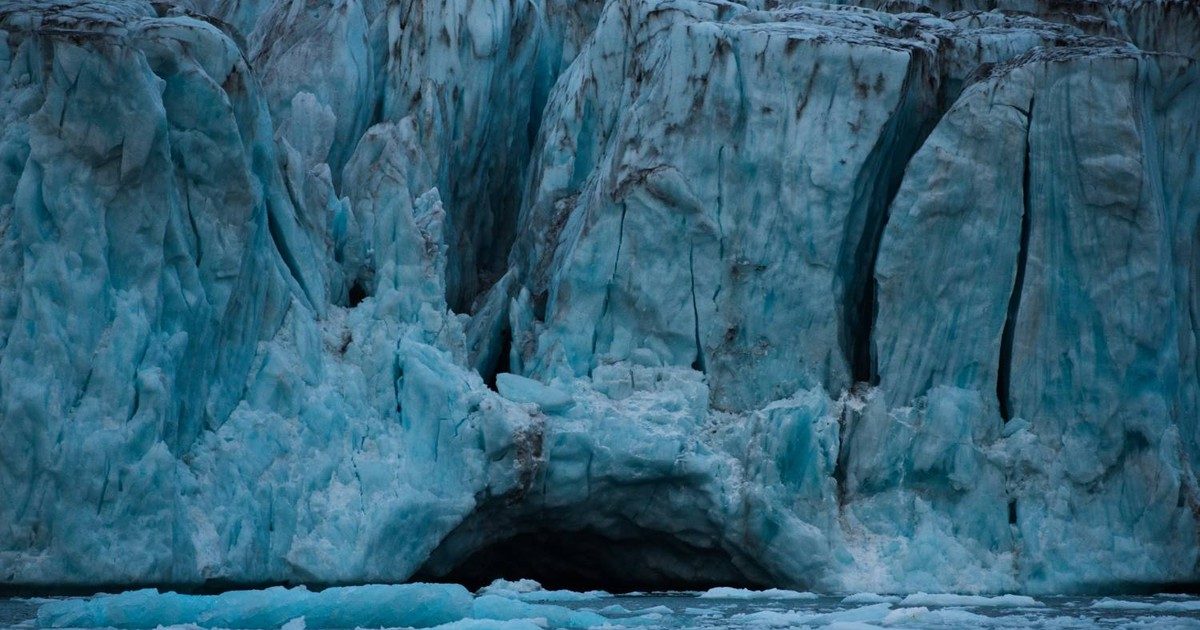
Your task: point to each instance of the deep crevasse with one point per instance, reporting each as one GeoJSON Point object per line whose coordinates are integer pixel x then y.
{"type": "Point", "coordinates": [260, 261]}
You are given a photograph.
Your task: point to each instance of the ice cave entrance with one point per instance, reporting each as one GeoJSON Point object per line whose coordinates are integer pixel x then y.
{"type": "Point", "coordinates": [588, 560]}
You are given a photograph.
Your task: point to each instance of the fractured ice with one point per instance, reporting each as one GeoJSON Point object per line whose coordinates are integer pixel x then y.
{"type": "Point", "coordinates": [879, 296]}
{"type": "Point", "coordinates": [450, 606]}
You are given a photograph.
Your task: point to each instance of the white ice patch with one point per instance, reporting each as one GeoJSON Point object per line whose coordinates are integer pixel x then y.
{"type": "Point", "coordinates": [531, 591]}
{"type": "Point", "coordinates": [904, 615]}
{"type": "Point", "coordinates": [724, 592]}
{"type": "Point", "coordinates": [923, 617]}
{"type": "Point", "coordinates": [416, 605]}
{"type": "Point", "coordinates": [1171, 606]}
{"type": "Point", "coordinates": [493, 624]}
{"type": "Point", "coordinates": [377, 606]}
{"type": "Point", "coordinates": [869, 598]}
{"type": "Point", "coordinates": [948, 599]}
{"type": "Point", "coordinates": [775, 619]}
{"type": "Point", "coordinates": [504, 609]}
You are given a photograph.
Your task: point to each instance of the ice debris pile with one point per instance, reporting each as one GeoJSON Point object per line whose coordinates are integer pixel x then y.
{"type": "Point", "coordinates": [500, 606]}
{"type": "Point", "coordinates": [378, 606]}
{"type": "Point", "coordinates": [882, 296]}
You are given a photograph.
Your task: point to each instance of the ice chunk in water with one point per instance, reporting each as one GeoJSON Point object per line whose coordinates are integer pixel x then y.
{"type": "Point", "coordinates": [947, 599]}
{"type": "Point", "coordinates": [404, 605]}
{"type": "Point", "coordinates": [724, 592]}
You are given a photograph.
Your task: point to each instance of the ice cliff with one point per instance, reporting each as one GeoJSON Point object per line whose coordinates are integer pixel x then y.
{"type": "Point", "coordinates": [889, 296]}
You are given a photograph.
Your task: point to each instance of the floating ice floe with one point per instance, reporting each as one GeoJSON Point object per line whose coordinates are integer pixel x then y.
{"type": "Point", "coordinates": [415, 605]}
{"type": "Point", "coordinates": [452, 607]}
{"type": "Point", "coordinates": [869, 598]}
{"type": "Point", "coordinates": [531, 591]}
{"type": "Point", "coordinates": [259, 266]}
{"type": "Point", "coordinates": [376, 606]}
{"type": "Point", "coordinates": [1169, 606]}
{"type": "Point", "coordinates": [725, 592]}
{"type": "Point", "coordinates": [874, 613]}
{"type": "Point", "coordinates": [965, 601]}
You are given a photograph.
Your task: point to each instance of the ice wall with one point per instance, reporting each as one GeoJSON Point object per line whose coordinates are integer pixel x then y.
{"type": "Point", "coordinates": [896, 296]}
{"type": "Point", "coordinates": [184, 403]}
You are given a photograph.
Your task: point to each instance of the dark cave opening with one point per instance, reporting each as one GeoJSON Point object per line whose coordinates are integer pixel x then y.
{"type": "Point", "coordinates": [502, 361]}
{"type": "Point", "coordinates": [357, 294]}
{"type": "Point", "coordinates": [587, 560]}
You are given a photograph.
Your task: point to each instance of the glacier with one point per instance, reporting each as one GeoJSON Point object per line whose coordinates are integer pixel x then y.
{"type": "Point", "coordinates": [866, 296]}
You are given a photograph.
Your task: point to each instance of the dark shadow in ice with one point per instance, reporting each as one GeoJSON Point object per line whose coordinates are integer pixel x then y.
{"type": "Point", "coordinates": [585, 560]}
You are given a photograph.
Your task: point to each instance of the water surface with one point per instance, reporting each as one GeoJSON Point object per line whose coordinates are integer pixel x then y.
{"type": "Point", "coordinates": [734, 609]}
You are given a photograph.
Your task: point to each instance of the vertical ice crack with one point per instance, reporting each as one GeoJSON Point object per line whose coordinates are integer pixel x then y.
{"type": "Point", "coordinates": [68, 92]}
{"type": "Point", "coordinates": [842, 462]}
{"type": "Point", "coordinates": [1004, 370]}
{"type": "Point", "coordinates": [187, 196]}
{"type": "Point", "coordinates": [721, 198]}
{"type": "Point", "coordinates": [286, 255]}
{"type": "Point", "coordinates": [397, 375]}
{"type": "Point", "coordinates": [612, 279]}
{"type": "Point", "coordinates": [916, 114]}
{"type": "Point", "coordinates": [698, 364]}
{"type": "Point", "coordinates": [104, 486]}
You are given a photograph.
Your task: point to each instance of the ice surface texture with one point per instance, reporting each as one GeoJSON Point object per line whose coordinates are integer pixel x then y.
{"type": "Point", "coordinates": [451, 606]}
{"type": "Point", "coordinates": [892, 297]}
{"type": "Point", "coordinates": [373, 606]}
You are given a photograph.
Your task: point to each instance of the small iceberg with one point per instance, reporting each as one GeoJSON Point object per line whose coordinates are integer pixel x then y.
{"type": "Point", "coordinates": [374, 606]}
{"type": "Point", "coordinates": [969, 601]}
{"type": "Point", "coordinates": [860, 599]}
{"type": "Point", "coordinates": [1109, 603]}
{"type": "Point", "coordinates": [532, 591]}
{"type": "Point", "coordinates": [725, 592]}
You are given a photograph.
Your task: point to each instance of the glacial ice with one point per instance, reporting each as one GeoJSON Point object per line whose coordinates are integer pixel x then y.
{"type": "Point", "coordinates": [627, 294]}
{"type": "Point", "coordinates": [869, 598]}
{"type": "Point", "coordinates": [525, 390]}
{"type": "Point", "coordinates": [496, 607]}
{"type": "Point", "coordinates": [429, 605]}
{"type": "Point", "coordinates": [406, 605]}
{"type": "Point", "coordinates": [924, 617]}
{"type": "Point", "coordinates": [530, 591]}
{"type": "Point", "coordinates": [378, 606]}
{"type": "Point", "coordinates": [725, 592]}
{"type": "Point", "coordinates": [970, 601]}
{"type": "Point", "coordinates": [1109, 603]}
{"type": "Point", "coordinates": [790, 619]}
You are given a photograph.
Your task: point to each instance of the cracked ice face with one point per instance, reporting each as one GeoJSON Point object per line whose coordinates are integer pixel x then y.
{"type": "Point", "coordinates": [638, 292]}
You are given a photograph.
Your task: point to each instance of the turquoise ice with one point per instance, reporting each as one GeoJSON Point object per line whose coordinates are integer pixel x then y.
{"type": "Point", "coordinates": [871, 297]}
{"type": "Point", "coordinates": [451, 607]}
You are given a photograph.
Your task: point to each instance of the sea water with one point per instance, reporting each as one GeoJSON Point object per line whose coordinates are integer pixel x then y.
{"type": "Point", "coordinates": [448, 606]}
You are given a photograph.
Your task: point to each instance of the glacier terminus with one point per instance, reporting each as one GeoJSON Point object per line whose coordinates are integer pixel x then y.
{"type": "Point", "coordinates": [879, 296]}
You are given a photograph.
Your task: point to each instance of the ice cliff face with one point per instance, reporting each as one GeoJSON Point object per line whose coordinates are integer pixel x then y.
{"type": "Point", "coordinates": [651, 293]}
